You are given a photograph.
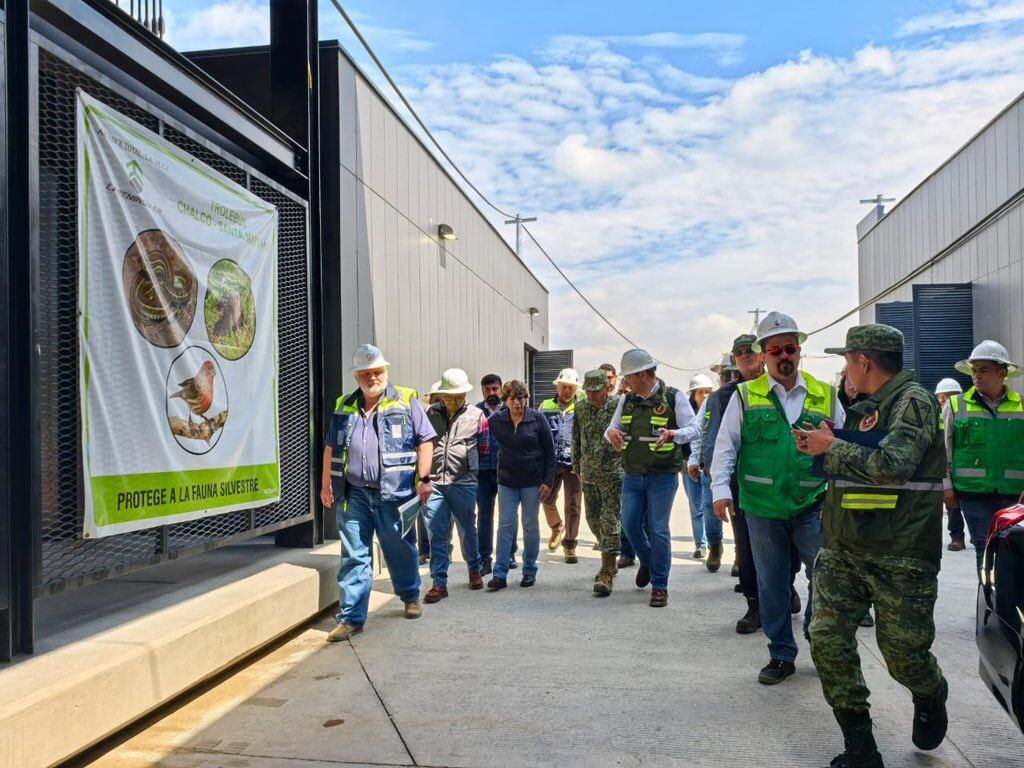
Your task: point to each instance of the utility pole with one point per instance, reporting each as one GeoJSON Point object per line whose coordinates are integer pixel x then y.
{"type": "Point", "coordinates": [879, 201]}
{"type": "Point", "coordinates": [519, 221]}
{"type": "Point", "coordinates": [757, 316]}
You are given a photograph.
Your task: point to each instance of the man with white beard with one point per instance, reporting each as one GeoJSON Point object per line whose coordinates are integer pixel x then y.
{"type": "Point", "coordinates": [377, 455]}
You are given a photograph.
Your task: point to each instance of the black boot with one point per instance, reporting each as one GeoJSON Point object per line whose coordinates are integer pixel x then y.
{"type": "Point", "coordinates": [751, 621]}
{"type": "Point", "coordinates": [861, 750]}
{"type": "Point", "coordinates": [930, 718]}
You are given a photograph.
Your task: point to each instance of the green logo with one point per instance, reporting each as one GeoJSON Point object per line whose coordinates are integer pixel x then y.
{"type": "Point", "coordinates": [135, 174]}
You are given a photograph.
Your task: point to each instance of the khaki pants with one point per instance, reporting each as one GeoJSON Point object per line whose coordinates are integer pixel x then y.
{"type": "Point", "coordinates": [570, 481]}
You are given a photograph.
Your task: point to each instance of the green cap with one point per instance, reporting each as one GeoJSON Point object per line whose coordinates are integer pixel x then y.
{"type": "Point", "coordinates": [746, 340]}
{"type": "Point", "coordinates": [871, 338]}
{"type": "Point", "coordinates": [595, 380]}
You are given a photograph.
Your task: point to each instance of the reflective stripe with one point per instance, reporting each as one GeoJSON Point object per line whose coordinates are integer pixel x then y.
{"type": "Point", "coordinates": [337, 473]}
{"type": "Point", "coordinates": [869, 501]}
{"type": "Point", "coordinates": [627, 419]}
{"type": "Point", "coordinates": [337, 459]}
{"type": "Point", "coordinates": [399, 468]}
{"type": "Point", "coordinates": [866, 505]}
{"type": "Point", "coordinates": [405, 456]}
{"type": "Point", "coordinates": [965, 472]}
{"type": "Point", "coordinates": [905, 487]}
{"type": "Point", "coordinates": [627, 438]}
{"type": "Point", "coordinates": [659, 421]}
{"type": "Point", "coordinates": [1013, 474]}
{"type": "Point", "coordinates": [811, 483]}
{"type": "Point", "coordinates": [664, 449]}
{"type": "Point", "coordinates": [761, 480]}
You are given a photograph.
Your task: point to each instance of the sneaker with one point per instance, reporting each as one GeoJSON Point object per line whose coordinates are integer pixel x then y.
{"type": "Point", "coordinates": [527, 581]}
{"type": "Point", "coordinates": [794, 603]}
{"type": "Point", "coordinates": [698, 553]}
{"type": "Point", "coordinates": [570, 555]}
{"type": "Point", "coordinates": [643, 576]}
{"type": "Point", "coordinates": [343, 632]}
{"type": "Point", "coordinates": [555, 540]}
{"type": "Point", "coordinates": [414, 610]}
{"type": "Point", "coordinates": [714, 561]}
{"type": "Point", "coordinates": [775, 672]}
{"type": "Point", "coordinates": [424, 559]}
{"type": "Point", "coordinates": [485, 567]}
{"type": "Point", "coordinates": [513, 563]}
{"type": "Point", "coordinates": [495, 584]}
{"type": "Point", "coordinates": [956, 545]}
{"type": "Point", "coordinates": [625, 562]}
{"type": "Point", "coordinates": [931, 719]}
{"type": "Point", "coordinates": [476, 580]}
{"type": "Point", "coordinates": [751, 621]}
{"type": "Point", "coordinates": [435, 594]}
{"type": "Point", "coordinates": [659, 598]}
{"type": "Point", "coordinates": [735, 572]}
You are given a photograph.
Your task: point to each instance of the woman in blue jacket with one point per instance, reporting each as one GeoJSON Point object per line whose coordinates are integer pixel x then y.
{"type": "Point", "coordinates": [526, 469]}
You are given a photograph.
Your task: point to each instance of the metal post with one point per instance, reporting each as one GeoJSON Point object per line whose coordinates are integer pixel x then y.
{"type": "Point", "coordinates": [16, 524]}
{"type": "Point", "coordinates": [519, 221]}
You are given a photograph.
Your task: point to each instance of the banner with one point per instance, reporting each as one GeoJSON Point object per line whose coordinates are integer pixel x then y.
{"type": "Point", "coordinates": [177, 332]}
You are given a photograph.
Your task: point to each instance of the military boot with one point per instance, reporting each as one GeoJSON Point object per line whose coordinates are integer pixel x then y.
{"type": "Point", "coordinates": [570, 554]}
{"type": "Point", "coordinates": [714, 561]}
{"type": "Point", "coordinates": [605, 576]}
{"type": "Point", "coordinates": [930, 718]}
{"type": "Point", "coordinates": [861, 750]}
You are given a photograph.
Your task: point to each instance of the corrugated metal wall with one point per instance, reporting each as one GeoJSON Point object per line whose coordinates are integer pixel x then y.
{"type": "Point", "coordinates": [429, 305]}
{"type": "Point", "coordinates": [970, 188]}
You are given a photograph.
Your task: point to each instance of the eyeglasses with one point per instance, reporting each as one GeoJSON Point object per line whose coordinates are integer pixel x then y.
{"type": "Point", "coordinates": [787, 349]}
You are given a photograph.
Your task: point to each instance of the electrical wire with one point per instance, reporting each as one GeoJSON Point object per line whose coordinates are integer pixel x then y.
{"type": "Point", "coordinates": [483, 197]}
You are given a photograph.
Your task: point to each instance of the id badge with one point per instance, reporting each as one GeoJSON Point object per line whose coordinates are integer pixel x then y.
{"type": "Point", "coordinates": [396, 431]}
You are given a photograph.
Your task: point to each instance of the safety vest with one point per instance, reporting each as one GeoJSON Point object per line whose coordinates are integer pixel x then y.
{"type": "Point", "coordinates": [396, 441]}
{"type": "Point", "coordinates": [775, 478]}
{"type": "Point", "coordinates": [641, 420]}
{"type": "Point", "coordinates": [561, 427]}
{"type": "Point", "coordinates": [988, 449]}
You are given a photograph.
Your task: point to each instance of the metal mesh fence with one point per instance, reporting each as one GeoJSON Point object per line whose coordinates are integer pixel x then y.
{"type": "Point", "coordinates": [66, 558]}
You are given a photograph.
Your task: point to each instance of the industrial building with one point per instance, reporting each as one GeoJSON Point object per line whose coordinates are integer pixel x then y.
{"type": "Point", "coordinates": [944, 264]}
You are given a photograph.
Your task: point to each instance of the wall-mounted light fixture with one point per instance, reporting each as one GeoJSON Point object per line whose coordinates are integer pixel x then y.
{"type": "Point", "coordinates": [445, 232]}
{"type": "Point", "coordinates": [533, 311]}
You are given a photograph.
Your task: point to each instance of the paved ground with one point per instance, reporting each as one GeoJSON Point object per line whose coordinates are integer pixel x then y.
{"type": "Point", "coordinates": [556, 676]}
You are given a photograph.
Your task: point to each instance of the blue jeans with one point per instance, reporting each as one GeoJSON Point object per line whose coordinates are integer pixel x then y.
{"type": "Point", "coordinates": [486, 494]}
{"type": "Point", "coordinates": [771, 542]}
{"type": "Point", "coordinates": [445, 502]}
{"type": "Point", "coordinates": [359, 517]}
{"type": "Point", "coordinates": [707, 529]}
{"type": "Point", "coordinates": [509, 501]}
{"type": "Point", "coordinates": [978, 510]}
{"type": "Point", "coordinates": [646, 508]}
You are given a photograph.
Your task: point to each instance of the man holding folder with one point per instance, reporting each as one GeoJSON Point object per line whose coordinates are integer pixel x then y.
{"type": "Point", "coordinates": [882, 542]}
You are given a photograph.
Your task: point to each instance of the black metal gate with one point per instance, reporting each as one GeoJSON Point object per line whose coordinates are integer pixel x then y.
{"type": "Point", "coordinates": [544, 369]}
{"type": "Point", "coordinates": [64, 558]}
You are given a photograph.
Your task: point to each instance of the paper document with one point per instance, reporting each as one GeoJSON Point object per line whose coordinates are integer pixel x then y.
{"type": "Point", "coordinates": [409, 511]}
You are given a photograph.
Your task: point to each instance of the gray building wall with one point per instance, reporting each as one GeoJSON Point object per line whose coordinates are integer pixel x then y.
{"type": "Point", "coordinates": [963, 224]}
{"type": "Point", "coordinates": [429, 304]}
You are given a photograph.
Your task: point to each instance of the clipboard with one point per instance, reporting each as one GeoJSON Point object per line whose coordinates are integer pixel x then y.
{"type": "Point", "coordinates": [409, 512]}
{"type": "Point", "coordinates": [870, 439]}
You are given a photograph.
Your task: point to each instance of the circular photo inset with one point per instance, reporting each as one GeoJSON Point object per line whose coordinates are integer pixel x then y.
{"type": "Point", "coordinates": [230, 309]}
{"type": "Point", "coordinates": [160, 288]}
{"type": "Point", "coordinates": [197, 400]}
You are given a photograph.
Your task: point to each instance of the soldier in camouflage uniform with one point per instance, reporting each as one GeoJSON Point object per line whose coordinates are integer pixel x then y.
{"type": "Point", "coordinates": [598, 466]}
{"type": "Point", "coordinates": [882, 544]}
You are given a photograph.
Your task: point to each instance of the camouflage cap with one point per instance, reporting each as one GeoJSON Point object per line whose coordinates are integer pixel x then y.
{"type": "Point", "coordinates": [744, 340]}
{"type": "Point", "coordinates": [874, 337]}
{"type": "Point", "coordinates": [595, 380]}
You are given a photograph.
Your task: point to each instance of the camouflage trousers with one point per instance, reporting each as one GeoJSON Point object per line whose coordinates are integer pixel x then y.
{"type": "Point", "coordinates": [603, 505]}
{"type": "Point", "coordinates": [903, 592]}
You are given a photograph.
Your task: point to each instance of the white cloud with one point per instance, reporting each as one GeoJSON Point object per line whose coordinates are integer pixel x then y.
{"type": "Point", "coordinates": [969, 13]}
{"type": "Point", "coordinates": [221, 25]}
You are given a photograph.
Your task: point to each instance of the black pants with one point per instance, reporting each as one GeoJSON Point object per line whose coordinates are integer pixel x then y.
{"type": "Point", "coordinates": [955, 523]}
{"type": "Point", "coordinates": [745, 558]}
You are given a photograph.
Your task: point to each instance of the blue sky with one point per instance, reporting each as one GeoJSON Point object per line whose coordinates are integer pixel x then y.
{"type": "Point", "coordinates": [717, 150]}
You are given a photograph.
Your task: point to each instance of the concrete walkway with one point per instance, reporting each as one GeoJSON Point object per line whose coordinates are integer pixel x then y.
{"type": "Point", "coordinates": [554, 676]}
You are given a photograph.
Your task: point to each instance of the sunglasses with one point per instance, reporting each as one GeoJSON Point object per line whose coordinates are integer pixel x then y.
{"type": "Point", "coordinates": [787, 349]}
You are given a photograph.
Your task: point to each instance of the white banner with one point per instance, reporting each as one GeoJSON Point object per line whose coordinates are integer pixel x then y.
{"type": "Point", "coordinates": [177, 331]}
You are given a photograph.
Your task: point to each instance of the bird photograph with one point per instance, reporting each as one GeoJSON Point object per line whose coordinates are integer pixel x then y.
{"type": "Point", "coordinates": [198, 393]}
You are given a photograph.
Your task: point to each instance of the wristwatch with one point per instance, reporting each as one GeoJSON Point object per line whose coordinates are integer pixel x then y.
{"type": "Point", "coordinates": [424, 478]}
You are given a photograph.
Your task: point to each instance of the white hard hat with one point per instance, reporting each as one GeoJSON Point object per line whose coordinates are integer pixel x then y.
{"type": "Point", "coordinates": [777, 324]}
{"type": "Point", "coordinates": [948, 387]}
{"type": "Point", "coordinates": [568, 376]}
{"type": "Point", "coordinates": [988, 350]}
{"type": "Point", "coordinates": [636, 360]}
{"type": "Point", "coordinates": [700, 381]}
{"type": "Point", "coordinates": [726, 364]}
{"type": "Point", "coordinates": [367, 357]}
{"type": "Point", "coordinates": [454, 381]}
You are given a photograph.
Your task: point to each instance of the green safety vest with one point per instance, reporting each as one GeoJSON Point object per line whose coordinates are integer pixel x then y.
{"type": "Point", "coordinates": [775, 478]}
{"type": "Point", "coordinates": [988, 449]}
{"type": "Point", "coordinates": [641, 420]}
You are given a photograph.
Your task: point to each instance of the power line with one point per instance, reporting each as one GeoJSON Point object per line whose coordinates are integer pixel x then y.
{"type": "Point", "coordinates": [483, 197]}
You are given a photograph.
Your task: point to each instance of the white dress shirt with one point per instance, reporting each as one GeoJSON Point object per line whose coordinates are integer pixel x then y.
{"type": "Point", "coordinates": [688, 427]}
{"type": "Point", "coordinates": [727, 444]}
{"type": "Point", "coordinates": [695, 444]}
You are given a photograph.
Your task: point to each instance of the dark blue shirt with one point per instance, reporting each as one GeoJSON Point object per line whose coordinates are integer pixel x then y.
{"type": "Point", "coordinates": [527, 457]}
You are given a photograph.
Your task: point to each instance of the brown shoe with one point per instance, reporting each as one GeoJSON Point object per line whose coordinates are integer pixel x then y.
{"type": "Point", "coordinates": [556, 538]}
{"type": "Point", "coordinates": [414, 610]}
{"type": "Point", "coordinates": [435, 594]}
{"type": "Point", "coordinates": [343, 632]}
{"type": "Point", "coordinates": [714, 561]}
{"type": "Point", "coordinates": [956, 545]}
{"type": "Point", "coordinates": [476, 580]}
{"type": "Point", "coordinates": [659, 598]}
{"type": "Point", "coordinates": [605, 577]}
{"type": "Point", "coordinates": [570, 555]}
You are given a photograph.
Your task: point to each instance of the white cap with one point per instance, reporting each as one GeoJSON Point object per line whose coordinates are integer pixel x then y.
{"type": "Point", "coordinates": [777, 324]}
{"type": "Point", "coordinates": [700, 381]}
{"type": "Point", "coordinates": [948, 387]}
{"type": "Point", "coordinates": [988, 350]}
{"type": "Point", "coordinates": [568, 376]}
{"type": "Point", "coordinates": [454, 381]}
{"type": "Point", "coordinates": [636, 360]}
{"type": "Point", "coordinates": [367, 357]}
